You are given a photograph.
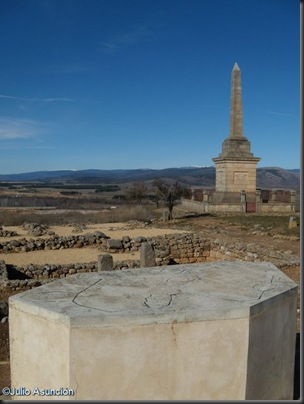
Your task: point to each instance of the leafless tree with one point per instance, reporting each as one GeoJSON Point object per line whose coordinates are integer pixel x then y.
{"type": "Point", "coordinates": [137, 192]}
{"type": "Point", "coordinates": [169, 193]}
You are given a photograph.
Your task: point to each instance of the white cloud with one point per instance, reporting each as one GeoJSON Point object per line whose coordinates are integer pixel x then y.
{"type": "Point", "coordinates": [278, 113]}
{"type": "Point", "coordinates": [55, 99]}
{"type": "Point", "coordinates": [14, 128]}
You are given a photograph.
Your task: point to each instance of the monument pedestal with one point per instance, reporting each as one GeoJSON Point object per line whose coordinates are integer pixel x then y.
{"type": "Point", "coordinates": [216, 331]}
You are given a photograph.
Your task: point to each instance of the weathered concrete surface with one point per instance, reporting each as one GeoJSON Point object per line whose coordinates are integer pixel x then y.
{"type": "Point", "coordinates": [176, 332]}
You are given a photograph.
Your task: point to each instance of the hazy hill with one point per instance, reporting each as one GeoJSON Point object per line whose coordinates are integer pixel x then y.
{"type": "Point", "coordinates": [267, 177]}
{"type": "Point", "coordinates": [275, 177]}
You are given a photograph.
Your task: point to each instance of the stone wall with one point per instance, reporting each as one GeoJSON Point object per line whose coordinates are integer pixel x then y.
{"type": "Point", "coordinates": [261, 201]}
{"type": "Point", "coordinates": [7, 233]}
{"type": "Point", "coordinates": [176, 246]}
{"type": "Point", "coordinates": [207, 207]}
{"type": "Point", "coordinates": [224, 207]}
{"type": "Point", "coordinates": [275, 207]}
{"type": "Point", "coordinates": [54, 242]}
{"type": "Point", "coordinates": [36, 275]}
{"type": "Point", "coordinates": [195, 206]}
{"type": "Point", "coordinates": [169, 249]}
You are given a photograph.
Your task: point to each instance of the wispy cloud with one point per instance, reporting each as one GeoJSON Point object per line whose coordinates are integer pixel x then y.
{"type": "Point", "coordinates": [278, 113]}
{"type": "Point", "coordinates": [202, 106]}
{"type": "Point", "coordinates": [139, 34]}
{"type": "Point", "coordinates": [11, 128]}
{"type": "Point", "coordinates": [55, 99]}
{"type": "Point", "coordinates": [14, 146]}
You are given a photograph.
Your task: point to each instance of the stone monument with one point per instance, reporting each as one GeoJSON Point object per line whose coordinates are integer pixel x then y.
{"type": "Point", "coordinates": [236, 165]}
{"type": "Point", "coordinates": [216, 331]}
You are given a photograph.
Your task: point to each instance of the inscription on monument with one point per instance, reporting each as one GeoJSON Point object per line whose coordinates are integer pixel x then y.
{"type": "Point", "coordinates": [240, 177]}
{"type": "Point", "coordinates": [220, 177]}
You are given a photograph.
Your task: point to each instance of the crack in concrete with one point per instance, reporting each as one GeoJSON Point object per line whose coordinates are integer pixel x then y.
{"type": "Point", "coordinates": [109, 311]}
{"type": "Point", "coordinates": [83, 290]}
{"type": "Point", "coordinates": [262, 292]}
{"type": "Point", "coordinates": [36, 295]}
{"type": "Point", "coordinates": [160, 307]}
{"type": "Point", "coordinates": [145, 301]}
{"type": "Point", "coordinates": [173, 278]}
{"type": "Point", "coordinates": [255, 287]}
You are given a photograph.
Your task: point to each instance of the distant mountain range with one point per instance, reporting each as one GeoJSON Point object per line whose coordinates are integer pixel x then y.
{"type": "Point", "coordinates": [267, 177]}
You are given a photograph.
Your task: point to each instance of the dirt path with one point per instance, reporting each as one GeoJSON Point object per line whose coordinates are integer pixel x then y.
{"type": "Point", "coordinates": [67, 256]}
{"type": "Point", "coordinates": [113, 230]}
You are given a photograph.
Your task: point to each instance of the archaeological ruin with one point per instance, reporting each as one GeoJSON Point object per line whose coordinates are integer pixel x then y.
{"type": "Point", "coordinates": [207, 311]}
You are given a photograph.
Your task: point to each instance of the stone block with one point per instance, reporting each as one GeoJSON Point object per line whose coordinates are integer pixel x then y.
{"type": "Point", "coordinates": [292, 223]}
{"type": "Point", "coordinates": [105, 262]}
{"type": "Point", "coordinates": [114, 244]}
{"type": "Point", "coordinates": [147, 255]}
{"type": "Point", "coordinates": [217, 331]}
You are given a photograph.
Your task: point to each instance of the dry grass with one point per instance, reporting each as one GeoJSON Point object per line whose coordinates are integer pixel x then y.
{"type": "Point", "coordinates": [122, 213]}
{"type": "Point", "coordinates": [277, 223]}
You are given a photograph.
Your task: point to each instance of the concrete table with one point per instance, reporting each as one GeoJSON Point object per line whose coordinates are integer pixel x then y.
{"type": "Point", "coordinates": [216, 331]}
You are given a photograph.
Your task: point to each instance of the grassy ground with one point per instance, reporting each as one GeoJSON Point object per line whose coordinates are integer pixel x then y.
{"type": "Point", "coordinates": [271, 224]}
{"type": "Point", "coordinates": [111, 214]}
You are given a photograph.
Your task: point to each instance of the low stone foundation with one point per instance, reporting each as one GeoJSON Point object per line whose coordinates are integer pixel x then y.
{"type": "Point", "coordinates": [217, 331]}
{"type": "Point", "coordinates": [169, 249]}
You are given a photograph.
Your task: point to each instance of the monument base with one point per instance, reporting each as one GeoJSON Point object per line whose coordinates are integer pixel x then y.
{"type": "Point", "coordinates": [216, 331]}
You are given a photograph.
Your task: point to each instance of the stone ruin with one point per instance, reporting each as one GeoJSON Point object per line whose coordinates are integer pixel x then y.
{"type": "Point", "coordinates": [179, 248]}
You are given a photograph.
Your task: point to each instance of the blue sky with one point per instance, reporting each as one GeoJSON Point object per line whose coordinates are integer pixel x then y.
{"type": "Point", "coordinates": [112, 84]}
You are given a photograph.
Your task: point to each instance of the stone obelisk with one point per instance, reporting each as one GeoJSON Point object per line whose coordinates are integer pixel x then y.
{"type": "Point", "coordinates": [236, 108]}
{"type": "Point", "coordinates": [236, 165]}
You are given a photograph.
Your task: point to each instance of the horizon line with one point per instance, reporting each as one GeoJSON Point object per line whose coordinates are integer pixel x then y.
{"type": "Point", "coordinates": [132, 169]}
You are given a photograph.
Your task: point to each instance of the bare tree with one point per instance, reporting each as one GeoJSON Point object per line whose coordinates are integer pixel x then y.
{"type": "Point", "coordinates": [170, 193]}
{"type": "Point", "coordinates": [137, 192]}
